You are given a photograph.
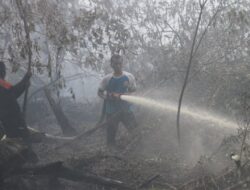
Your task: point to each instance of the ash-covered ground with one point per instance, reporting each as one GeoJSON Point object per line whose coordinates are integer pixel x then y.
{"type": "Point", "coordinates": [150, 158]}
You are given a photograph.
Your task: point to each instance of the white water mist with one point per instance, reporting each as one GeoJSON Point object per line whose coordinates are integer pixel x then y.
{"type": "Point", "coordinates": [198, 114]}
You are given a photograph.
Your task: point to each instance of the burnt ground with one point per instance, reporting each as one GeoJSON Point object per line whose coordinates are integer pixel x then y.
{"type": "Point", "coordinates": [150, 158]}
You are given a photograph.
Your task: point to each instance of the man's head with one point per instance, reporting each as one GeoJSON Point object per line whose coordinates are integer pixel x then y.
{"type": "Point", "coordinates": [2, 70]}
{"type": "Point", "coordinates": [116, 63]}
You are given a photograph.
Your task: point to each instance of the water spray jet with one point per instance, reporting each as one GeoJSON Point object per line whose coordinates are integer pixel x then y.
{"type": "Point", "coordinates": [171, 107]}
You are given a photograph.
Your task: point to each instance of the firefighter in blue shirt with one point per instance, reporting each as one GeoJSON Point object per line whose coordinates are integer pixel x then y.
{"type": "Point", "coordinates": [116, 110]}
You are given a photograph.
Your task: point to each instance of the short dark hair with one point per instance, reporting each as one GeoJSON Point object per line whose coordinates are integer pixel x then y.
{"type": "Point", "coordinates": [2, 69]}
{"type": "Point", "coordinates": [116, 58]}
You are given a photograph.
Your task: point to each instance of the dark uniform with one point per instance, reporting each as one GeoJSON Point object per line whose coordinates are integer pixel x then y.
{"type": "Point", "coordinates": [11, 116]}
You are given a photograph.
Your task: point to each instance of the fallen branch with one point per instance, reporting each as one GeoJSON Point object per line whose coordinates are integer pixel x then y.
{"type": "Point", "coordinates": [58, 170]}
{"type": "Point", "coordinates": [166, 185]}
{"type": "Point", "coordinates": [148, 181]}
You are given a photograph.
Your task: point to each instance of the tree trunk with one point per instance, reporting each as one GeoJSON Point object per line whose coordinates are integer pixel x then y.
{"type": "Point", "coordinates": [191, 56]}
{"type": "Point", "coordinates": [23, 15]}
{"type": "Point", "coordinates": [61, 118]}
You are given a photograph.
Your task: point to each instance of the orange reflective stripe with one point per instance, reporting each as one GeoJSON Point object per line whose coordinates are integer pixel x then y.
{"type": "Point", "coordinates": [5, 84]}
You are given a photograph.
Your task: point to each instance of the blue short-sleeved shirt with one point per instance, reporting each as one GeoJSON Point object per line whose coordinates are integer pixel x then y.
{"type": "Point", "coordinates": [122, 84]}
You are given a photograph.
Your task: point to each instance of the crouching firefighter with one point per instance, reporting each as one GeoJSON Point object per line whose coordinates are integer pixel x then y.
{"type": "Point", "coordinates": [11, 117]}
{"type": "Point", "coordinates": [116, 110]}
